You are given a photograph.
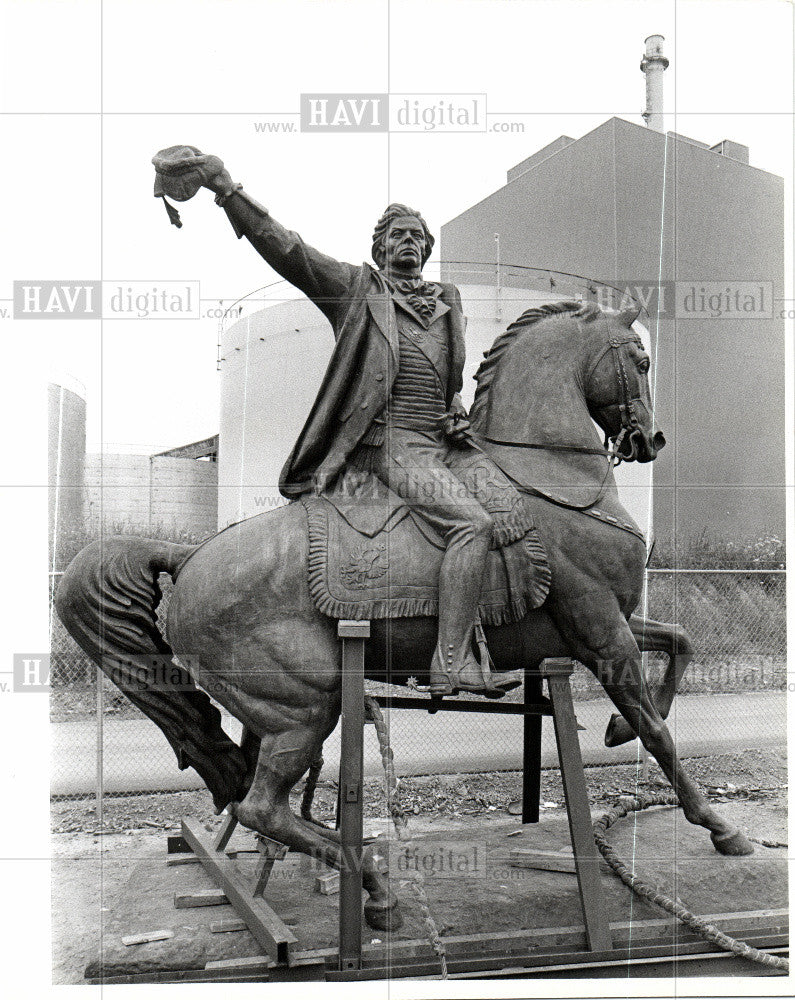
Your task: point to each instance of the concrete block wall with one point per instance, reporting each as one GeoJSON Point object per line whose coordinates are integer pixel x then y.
{"type": "Point", "coordinates": [173, 496]}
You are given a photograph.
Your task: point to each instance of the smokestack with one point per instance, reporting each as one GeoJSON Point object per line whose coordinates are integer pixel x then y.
{"type": "Point", "coordinates": [654, 64]}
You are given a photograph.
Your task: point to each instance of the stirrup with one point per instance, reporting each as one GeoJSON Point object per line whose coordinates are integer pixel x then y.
{"type": "Point", "coordinates": [496, 685]}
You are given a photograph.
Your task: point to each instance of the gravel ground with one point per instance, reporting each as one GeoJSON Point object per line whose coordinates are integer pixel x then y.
{"type": "Point", "coordinates": [750, 774]}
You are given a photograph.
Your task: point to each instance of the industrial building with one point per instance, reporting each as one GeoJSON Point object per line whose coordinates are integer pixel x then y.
{"type": "Point", "coordinates": [664, 216]}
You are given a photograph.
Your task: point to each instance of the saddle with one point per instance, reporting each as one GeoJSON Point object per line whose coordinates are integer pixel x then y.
{"type": "Point", "coordinates": [371, 556]}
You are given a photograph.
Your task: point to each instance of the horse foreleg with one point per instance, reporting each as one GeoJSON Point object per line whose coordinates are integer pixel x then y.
{"type": "Point", "coordinates": [283, 759]}
{"type": "Point", "coordinates": [655, 637]}
{"type": "Point", "coordinates": [600, 637]}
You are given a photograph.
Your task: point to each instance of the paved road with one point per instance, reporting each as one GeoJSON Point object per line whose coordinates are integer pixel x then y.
{"type": "Point", "coordinates": [137, 756]}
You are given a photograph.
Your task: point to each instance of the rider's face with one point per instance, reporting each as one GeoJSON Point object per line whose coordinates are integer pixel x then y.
{"type": "Point", "coordinates": [405, 244]}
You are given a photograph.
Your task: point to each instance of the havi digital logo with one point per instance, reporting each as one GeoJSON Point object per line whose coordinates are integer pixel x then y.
{"type": "Point", "coordinates": [57, 299]}
{"type": "Point", "coordinates": [344, 113]}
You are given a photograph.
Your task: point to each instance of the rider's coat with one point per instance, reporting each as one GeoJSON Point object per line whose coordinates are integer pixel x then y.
{"type": "Point", "coordinates": [361, 308]}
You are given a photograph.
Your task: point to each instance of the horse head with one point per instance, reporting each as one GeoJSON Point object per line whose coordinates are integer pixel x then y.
{"type": "Point", "coordinates": [559, 367]}
{"type": "Point", "coordinates": [616, 386]}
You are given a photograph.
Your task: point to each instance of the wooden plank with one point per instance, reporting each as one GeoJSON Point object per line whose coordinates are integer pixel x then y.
{"type": "Point", "coordinates": [225, 833]}
{"type": "Point", "coordinates": [267, 928]}
{"type": "Point", "coordinates": [204, 897]}
{"type": "Point", "coordinates": [328, 885]}
{"type": "Point", "coordinates": [258, 963]}
{"type": "Point", "coordinates": [228, 926]}
{"type": "Point", "coordinates": [146, 937]}
{"type": "Point", "coordinates": [586, 855]}
{"type": "Point", "coordinates": [182, 859]}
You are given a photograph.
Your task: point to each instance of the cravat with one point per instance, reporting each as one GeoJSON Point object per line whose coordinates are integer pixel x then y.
{"type": "Point", "coordinates": [420, 295]}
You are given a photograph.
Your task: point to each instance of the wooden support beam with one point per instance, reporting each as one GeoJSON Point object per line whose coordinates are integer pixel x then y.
{"type": "Point", "coordinates": [353, 635]}
{"type": "Point", "coordinates": [586, 856]}
{"type": "Point", "coordinates": [204, 897]}
{"type": "Point", "coordinates": [182, 859]}
{"type": "Point", "coordinates": [266, 927]}
{"type": "Point", "coordinates": [254, 963]}
{"type": "Point", "coordinates": [228, 926]}
{"type": "Point", "coordinates": [225, 832]}
{"type": "Point", "coordinates": [328, 885]}
{"type": "Point", "coordinates": [270, 852]}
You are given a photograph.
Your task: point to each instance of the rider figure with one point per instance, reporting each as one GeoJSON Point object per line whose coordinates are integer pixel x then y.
{"type": "Point", "coordinates": [389, 402]}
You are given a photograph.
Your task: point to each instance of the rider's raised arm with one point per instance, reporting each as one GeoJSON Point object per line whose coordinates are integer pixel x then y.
{"type": "Point", "coordinates": [322, 278]}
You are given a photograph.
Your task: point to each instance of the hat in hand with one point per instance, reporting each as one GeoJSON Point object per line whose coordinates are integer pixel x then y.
{"type": "Point", "coordinates": [179, 173]}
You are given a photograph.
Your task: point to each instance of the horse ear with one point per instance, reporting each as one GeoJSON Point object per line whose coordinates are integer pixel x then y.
{"type": "Point", "coordinates": [628, 316]}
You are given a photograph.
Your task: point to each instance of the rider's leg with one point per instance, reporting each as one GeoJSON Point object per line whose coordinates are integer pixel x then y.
{"type": "Point", "coordinates": [412, 464]}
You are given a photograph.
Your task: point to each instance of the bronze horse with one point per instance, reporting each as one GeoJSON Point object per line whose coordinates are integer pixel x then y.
{"type": "Point", "coordinates": [243, 624]}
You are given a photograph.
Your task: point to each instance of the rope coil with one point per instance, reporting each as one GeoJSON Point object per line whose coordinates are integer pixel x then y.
{"type": "Point", "coordinates": [705, 930]}
{"type": "Point", "coordinates": [709, 932]}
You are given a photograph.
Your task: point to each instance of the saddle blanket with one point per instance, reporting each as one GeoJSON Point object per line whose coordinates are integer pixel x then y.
{"type": "Point", "coordinates": [371, 557]}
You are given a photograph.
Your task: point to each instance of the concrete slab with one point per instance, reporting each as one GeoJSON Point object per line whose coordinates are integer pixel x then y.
{"type": "Point", "coordinates": [469, 883]}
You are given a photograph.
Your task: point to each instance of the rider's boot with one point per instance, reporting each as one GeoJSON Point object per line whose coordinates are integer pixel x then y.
{"type": "Point", "coordinates": [454, 666]}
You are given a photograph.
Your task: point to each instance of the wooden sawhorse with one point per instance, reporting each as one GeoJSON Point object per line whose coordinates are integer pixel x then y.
{"type": "Point", "coordinates": [558, 705]}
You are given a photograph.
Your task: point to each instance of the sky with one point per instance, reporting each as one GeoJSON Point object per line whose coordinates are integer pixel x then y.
{"type": "Point", "coordinates": [89, 115]}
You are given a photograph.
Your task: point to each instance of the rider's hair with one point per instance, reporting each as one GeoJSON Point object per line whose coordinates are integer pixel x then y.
{"type": "Point", "coordinates": [392, 212]}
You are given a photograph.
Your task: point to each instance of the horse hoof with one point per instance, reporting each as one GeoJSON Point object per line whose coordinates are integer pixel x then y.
{"type": "Point", "coordinates": [618, 732]}
{"type": "Point", "coordinates": [734, 844]}
{"type": "Point", "coordinates": [383, 917]}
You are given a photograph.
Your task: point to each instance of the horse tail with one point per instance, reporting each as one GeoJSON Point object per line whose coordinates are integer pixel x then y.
{"type": "Point", "coordinates": [107, 600]}
{"type": "Point", "coordinates": [655, 637]}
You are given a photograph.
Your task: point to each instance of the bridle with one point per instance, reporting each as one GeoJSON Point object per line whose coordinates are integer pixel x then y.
{"type": "Point", "coordinates": [627, 404]}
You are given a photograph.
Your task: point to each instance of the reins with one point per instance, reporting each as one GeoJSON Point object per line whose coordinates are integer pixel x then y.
{"type": "Point", "coordinates": [612, 455]}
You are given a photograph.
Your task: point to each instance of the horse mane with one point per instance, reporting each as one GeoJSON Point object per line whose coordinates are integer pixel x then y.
{"type": "Point", "coordinates": [492, 358]}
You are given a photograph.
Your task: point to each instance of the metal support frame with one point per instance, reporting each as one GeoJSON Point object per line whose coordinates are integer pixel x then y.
{"type": "Point", "coordinates": [266, 926]}
{"type": "Point", "coordinates": [556, 672]}
{"type": "Point", "coordinates": [531, 749]}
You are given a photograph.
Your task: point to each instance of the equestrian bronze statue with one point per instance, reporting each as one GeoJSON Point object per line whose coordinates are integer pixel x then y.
{"type": "Point", "coordinates": [410, 513]}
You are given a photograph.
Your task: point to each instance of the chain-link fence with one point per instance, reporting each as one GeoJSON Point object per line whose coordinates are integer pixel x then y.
{"type": "Point", "coordinates": [735, 618]}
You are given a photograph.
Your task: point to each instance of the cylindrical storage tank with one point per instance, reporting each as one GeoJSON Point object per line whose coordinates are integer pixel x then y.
{"type": "Point", "coordinates": [273, 362]}
{"type": "Point", "coordinates": [66, 432]}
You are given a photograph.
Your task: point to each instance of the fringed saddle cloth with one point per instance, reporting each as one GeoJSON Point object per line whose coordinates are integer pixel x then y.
{"type": "Point", "coordinates": [370, 556]}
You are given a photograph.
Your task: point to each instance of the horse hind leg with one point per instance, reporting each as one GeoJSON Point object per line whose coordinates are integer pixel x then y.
{"type": "Point", "coordinates": [283, 759]}
{"type": "Point", "coordinates": [655, 637]}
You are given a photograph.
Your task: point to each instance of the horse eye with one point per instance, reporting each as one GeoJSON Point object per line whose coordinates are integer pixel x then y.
{"type": "Point", "coordinates": [644, 365]}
